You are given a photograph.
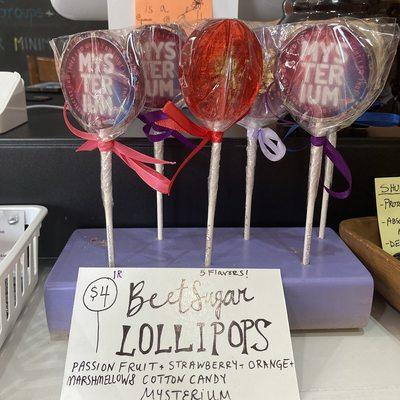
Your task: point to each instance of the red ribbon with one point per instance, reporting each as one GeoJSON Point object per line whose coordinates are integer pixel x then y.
{"type": "Point", "coordinates": [181, 123]}
{"type": "Point", "coordinates": [132, 158]}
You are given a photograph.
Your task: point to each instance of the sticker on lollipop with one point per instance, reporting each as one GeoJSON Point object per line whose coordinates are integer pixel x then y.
{"type": "Point", "coordinates": [331, 72]}
{"type": "Point", "coordinates": [99, 89]}
{"type": "Point", "coordinates": [324, 73]}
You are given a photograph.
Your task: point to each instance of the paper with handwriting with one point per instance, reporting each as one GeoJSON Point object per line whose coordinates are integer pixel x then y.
{"type": "Point", "coordinates": [179, 334]}
{"type": "Point", "coordinates": [171, 11]}
{"type": "Point", "coordinates": [387, 192]}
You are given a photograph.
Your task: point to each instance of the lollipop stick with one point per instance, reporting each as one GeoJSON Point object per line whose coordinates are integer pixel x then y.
{"type": "Point", "coordinates": [106, 192]}
{"type": "Point", "coordinates": [313, 182]}
{"type": "Point", "coordinates": [327, 183]}
{"type": "Point", "coordinates": [159, 153]}
{"type": "Point", "coordinates": [212, 199]}
{"type": "Point", "coordinates": [250, 172]}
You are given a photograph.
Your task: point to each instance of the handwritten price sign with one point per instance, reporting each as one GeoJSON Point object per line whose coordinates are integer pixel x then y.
{"type": "Point", "coordinates": [179, 334]}
{"type": "Point", "coordinates": [171, 11]}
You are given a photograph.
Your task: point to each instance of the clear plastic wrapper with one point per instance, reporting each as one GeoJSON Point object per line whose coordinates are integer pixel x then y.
{"type": "Point", "coordinates": [101, 79]}
{"type": "Point", "coordinates": [103, 87]}
{"type": "Point", "coordinates": [266, 109]}
{"type": "Point", "coordinates": [267, 106]}
{"type": "Point", "coordinates": [220, 70]}
{"type": "Point", "coordinates": [330, 73]}
{"type": "Point", "coordinates": [220, 75]}
{"type": "Point", "coordinates": [160, 49]}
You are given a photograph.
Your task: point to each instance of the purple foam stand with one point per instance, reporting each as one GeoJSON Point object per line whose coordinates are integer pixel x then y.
{"type": "Point", "coordinates": [334, 292]}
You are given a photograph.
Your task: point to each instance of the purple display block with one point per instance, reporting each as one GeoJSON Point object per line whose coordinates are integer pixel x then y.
{"type": "Point", "coordinates": [334, 292]}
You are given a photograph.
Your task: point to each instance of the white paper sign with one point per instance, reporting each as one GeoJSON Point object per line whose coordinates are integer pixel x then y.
{"type": "Point", "coordinates": [179, 334]}
{"type": "Point", "coordinates": [121, 13]}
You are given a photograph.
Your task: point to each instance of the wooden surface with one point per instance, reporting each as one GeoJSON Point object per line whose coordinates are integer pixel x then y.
{"type": "Point", "coordinates": [362, 236]}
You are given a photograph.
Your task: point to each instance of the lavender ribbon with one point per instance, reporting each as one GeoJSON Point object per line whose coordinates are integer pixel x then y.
{"type": "Point", "coordinates": [150, 120]}
{"type": "Point", "coordinates": [339, 163]}
{"type": "Point", "coordinates": [270, 143]}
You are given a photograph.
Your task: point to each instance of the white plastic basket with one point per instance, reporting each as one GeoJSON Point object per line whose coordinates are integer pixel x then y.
{"type": "Point", "coordinates": [19, 269]}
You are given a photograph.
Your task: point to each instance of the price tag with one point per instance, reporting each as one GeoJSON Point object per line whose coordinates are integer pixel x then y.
{"type": "Point", "coordinates": [387, 192]}
{"type": "Point", "coordinates": [12, 226]}
{"type": "Point", "coordinates": [171, 11]}
{"type": "Point", "coordinates": [179, 334]}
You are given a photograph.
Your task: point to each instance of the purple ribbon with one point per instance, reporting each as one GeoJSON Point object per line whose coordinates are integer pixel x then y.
{"type": "Point", "coordinates": [150, 120]}
{"type": "Point", "coordinates": [339, 163]}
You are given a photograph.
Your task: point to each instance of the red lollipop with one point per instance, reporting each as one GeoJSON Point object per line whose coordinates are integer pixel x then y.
{"type": "Point", "coordinates": [220, 75]}
{"type": "Point", "coordinates": [220, 72]}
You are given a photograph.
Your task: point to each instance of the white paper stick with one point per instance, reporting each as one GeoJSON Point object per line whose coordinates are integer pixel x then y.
{"type": "Point", "coordinates": [313, 183]}
{"type": "Point", "coordinates": [107, 195]}
{"type": "Point", "coordinates": [250, 172]}
{"type": "Point", "coordinates": [159, 153]}
{"type": "Point", "coordinates": [212, 199]}
{"type": "Point", "coordinates": [327, 183]}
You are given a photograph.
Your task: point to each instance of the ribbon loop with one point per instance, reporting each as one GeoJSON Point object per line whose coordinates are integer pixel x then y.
{"type": "Point", "coordinates": [132, 158]}
{"type": "Point", "coordinates": [182, 123]}
{"type": "Point", "coordinates": [157, 128]}
{"type": "Point", "coordinates": [270, 143]}
{"type": "Point", "coordinates": [339, 163]}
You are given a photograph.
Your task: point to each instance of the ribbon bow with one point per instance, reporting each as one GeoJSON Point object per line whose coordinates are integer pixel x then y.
{"type": "Point", "coordinates": [338, 161]}
{"type": "Point", "coordinates": [270, 143]}
{"type": "Point", "coordinates": [156, 132]}
{"type": "Point", "coordinates": [180, 122]}
{"type": "Point", "coordinates": [132, 158]}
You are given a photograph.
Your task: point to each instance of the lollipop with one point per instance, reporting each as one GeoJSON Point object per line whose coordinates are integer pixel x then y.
{"type": "Point", "coordinates": [220, 76]}
{"type": "Point", "coordinates": [160, 47]}
{"type": "Point", "coordinates": [103, 88]}
{"type": "Point", "coordinates": [266, 109]}
{"type": "Point", "coordinates": [325, 73]}
{"type": "Point", "coordinates": [381, 36]}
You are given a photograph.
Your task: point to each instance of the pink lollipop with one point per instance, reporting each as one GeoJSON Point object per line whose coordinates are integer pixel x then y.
{"type": "Point", "coordinates": [103, 88]}
{"type": "Point", "coordinates": [160, 47]}
{"type": "Point", "coordinates": [325, 74]}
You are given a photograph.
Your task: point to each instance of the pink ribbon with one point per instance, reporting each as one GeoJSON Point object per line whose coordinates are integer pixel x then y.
{"type": "Point", "coordinates": [132, 158]}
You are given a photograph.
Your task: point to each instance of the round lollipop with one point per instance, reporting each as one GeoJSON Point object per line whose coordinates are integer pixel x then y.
{"type": "Point", "coordinates": [103, 88]}
{"type": "Point", "coordinates": [381, 37]}
{"type": "Point", "coordinates": [160, 48]}
{"type": "Point", "coordinates": [266, 109]}
{"type": "Point", "coordinates": [325, 74]}
{"type": "Point", "coordinates": [220, 74]}
{"type": "Point", "coordinates": [100, 84]}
